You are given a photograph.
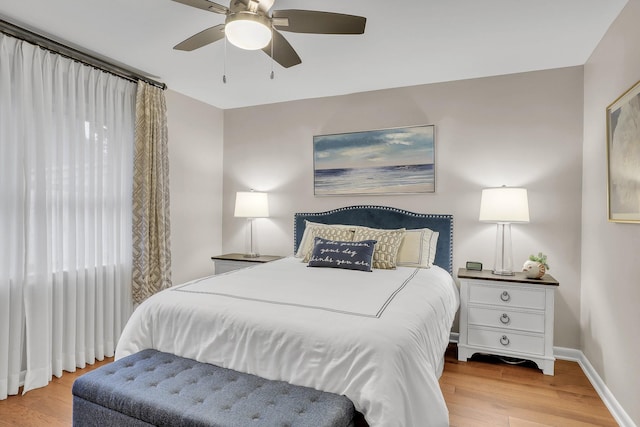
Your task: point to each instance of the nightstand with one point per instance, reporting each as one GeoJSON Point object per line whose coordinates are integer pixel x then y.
{"type": "Point", "coordinates": [230, 262]}
{"type": "Point", "coordinates": [508, 316]}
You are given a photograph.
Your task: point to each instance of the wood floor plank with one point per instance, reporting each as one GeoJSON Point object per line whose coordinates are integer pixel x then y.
{"type": "Point", "coordinates": [517, 422]}
{"type": "Point", "coordinates": [466, 412]}
{"type": "Point", "coordinates": [574, 407]}
{"type": "Point", "coordinates": [477, 393]}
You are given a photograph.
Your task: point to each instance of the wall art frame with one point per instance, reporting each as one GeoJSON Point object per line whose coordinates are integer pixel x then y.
{"type": "Point", "coordinates": [375, 162]}
{"type": "Point", "coordinates": [623, 157]}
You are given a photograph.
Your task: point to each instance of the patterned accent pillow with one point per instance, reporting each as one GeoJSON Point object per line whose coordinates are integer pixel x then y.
{"type": "Point", "coordinates": [386, 251]}
{"type": "Point", "coordinates": [312, 230]}
{"type": "Point", "coordinates": [347, 255]}
{"type": "Point", "coordinates": [418, 248]}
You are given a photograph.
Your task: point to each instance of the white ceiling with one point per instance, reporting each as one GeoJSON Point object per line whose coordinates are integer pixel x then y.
{"type": "Point", "coordinates": [405, 43]}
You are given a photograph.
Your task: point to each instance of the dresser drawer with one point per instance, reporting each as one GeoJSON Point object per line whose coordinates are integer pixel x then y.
{"type": "Point", "coordinates": [507, 296]}
{"type": "Point", "coordinates": [506, 319]}
{"type": "Point", "coordinates": [506, 341]}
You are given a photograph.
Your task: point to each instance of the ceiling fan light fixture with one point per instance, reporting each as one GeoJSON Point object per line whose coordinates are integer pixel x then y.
{"type": "Point", "coordinates": [248, 30]}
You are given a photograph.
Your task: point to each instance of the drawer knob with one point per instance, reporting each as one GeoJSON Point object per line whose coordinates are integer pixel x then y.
{"type": "Point", "coordinates": [504, 319]}
{"type": "Point", "coordinates": [504, 340]}
{"type": "Point", "coordinates": [504, 296]}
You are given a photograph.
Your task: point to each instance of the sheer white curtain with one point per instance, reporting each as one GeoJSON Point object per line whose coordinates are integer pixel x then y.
{"type": "Point", "coordinates": [66, 153]}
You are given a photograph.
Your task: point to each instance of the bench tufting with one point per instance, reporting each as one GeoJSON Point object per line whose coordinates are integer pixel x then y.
{"type": "Point", "coordinates": [161, 389]}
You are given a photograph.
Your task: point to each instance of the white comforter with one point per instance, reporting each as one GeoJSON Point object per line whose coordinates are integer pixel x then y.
{"type": "Point", "coordinates": [377, 337]}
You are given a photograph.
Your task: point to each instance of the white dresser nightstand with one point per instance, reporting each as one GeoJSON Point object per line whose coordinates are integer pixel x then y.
{"type": "Point", "coordinates": [507, 316]}
{"type": "Point", "coordinates": [230, 262]}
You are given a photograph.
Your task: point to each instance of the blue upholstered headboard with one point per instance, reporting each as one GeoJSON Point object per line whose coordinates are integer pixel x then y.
{"type": "Point", "coordinates": [385, 217]}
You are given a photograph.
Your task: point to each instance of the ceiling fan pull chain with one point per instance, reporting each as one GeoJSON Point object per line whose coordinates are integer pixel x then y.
{"type": "Point", "coordinates": [224, 66]}
{"type": "Point", "coordinates": [272, 42]}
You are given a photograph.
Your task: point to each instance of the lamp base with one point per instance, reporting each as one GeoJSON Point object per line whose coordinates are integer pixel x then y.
{"type": "Point", "coordinates": [503, 265]}
{"type": "Point", "coordinates": [503, 273]}
{"type": "Point", "coordinates": [251, 255]}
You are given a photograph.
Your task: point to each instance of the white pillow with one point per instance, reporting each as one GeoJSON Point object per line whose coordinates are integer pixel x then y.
{"type": "Point", "coordinates": [418, 248]}
{"type": "Point", "coordinates": [312, 230]}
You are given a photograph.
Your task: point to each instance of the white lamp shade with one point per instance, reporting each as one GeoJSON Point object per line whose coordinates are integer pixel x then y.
{"type": "Point", "coordinates": [504, 204]}
{"type": "Point", "coordinates": [247, 31]}
{"type": "Point", "coordinates": [251, 204]}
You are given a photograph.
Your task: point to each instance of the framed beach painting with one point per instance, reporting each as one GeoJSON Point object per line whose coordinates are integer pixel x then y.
{"type": "Point", "coordinates": [387, 161]}
{"type": "Point", "coordinates": [623, 157]}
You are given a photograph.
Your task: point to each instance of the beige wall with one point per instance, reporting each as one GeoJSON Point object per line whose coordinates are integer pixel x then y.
{"type": "Point", "coordinates": [195, 173]}
{"type": "Point", "coordinates": [610, 313]}
{"type": "Point", "coordinates": [518, 130]}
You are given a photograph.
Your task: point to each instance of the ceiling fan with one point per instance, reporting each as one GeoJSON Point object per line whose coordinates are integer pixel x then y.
{"type": "Point", "coordinates": [249, 25]}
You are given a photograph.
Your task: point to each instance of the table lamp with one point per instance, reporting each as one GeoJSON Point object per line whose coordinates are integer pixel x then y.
{"type": "Point", "coordinates": [251, 205]}
{"type": "Point", "coordinates": [504, 206]}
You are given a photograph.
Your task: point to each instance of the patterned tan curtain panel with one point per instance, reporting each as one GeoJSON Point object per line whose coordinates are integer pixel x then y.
{"type": "Point", "coordinates": [151, 221]}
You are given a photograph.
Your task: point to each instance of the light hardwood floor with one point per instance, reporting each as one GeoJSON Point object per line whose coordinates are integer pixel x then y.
{"type": "Point", "coordinates": [478, 393]}
{"type": "Point", "coordinates": [46, 406]}
{"type": "Point", "coordinates": [481, 393]}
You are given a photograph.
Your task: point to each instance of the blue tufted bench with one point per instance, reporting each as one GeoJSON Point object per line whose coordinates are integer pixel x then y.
{"type": "Point", "coordinates": [151, 388]}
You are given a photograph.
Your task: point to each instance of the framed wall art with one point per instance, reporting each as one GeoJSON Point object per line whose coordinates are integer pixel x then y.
{"type": "Point", "coordinates": [623, 157]}
{"type": "Point", "coordinates": [387, 161]}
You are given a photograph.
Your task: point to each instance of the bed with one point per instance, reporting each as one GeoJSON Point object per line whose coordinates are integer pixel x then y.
{"type": "Point", "coordinates": [376, 336]}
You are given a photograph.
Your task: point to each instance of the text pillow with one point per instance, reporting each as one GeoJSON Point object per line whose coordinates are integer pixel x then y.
{"type": "Point", "coordinates": [347, 255]}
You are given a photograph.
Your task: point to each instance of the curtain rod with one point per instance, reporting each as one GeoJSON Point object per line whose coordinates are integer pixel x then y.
{"type": "Point", "coordinates": [75, 54]}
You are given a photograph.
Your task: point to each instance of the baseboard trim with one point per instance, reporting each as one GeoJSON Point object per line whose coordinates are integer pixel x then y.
{"type": "Point", "coordinates": [574, 355]}
{"type": "Point", "coordinates": [617, 411]}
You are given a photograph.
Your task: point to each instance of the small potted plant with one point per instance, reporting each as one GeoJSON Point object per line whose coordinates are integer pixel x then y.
{"type": "Point", "coordinates": [536, 266]}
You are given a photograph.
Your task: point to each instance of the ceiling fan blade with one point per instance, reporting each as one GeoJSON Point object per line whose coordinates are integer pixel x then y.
{"type": "Point", "coordinates": [283, 53]}
{"type": "Point", "coordinates": [205, 5]}
{"type": "Point", "coordinates": [203, 38]}
{"type": "Point", "coordinates": [311, 21]}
